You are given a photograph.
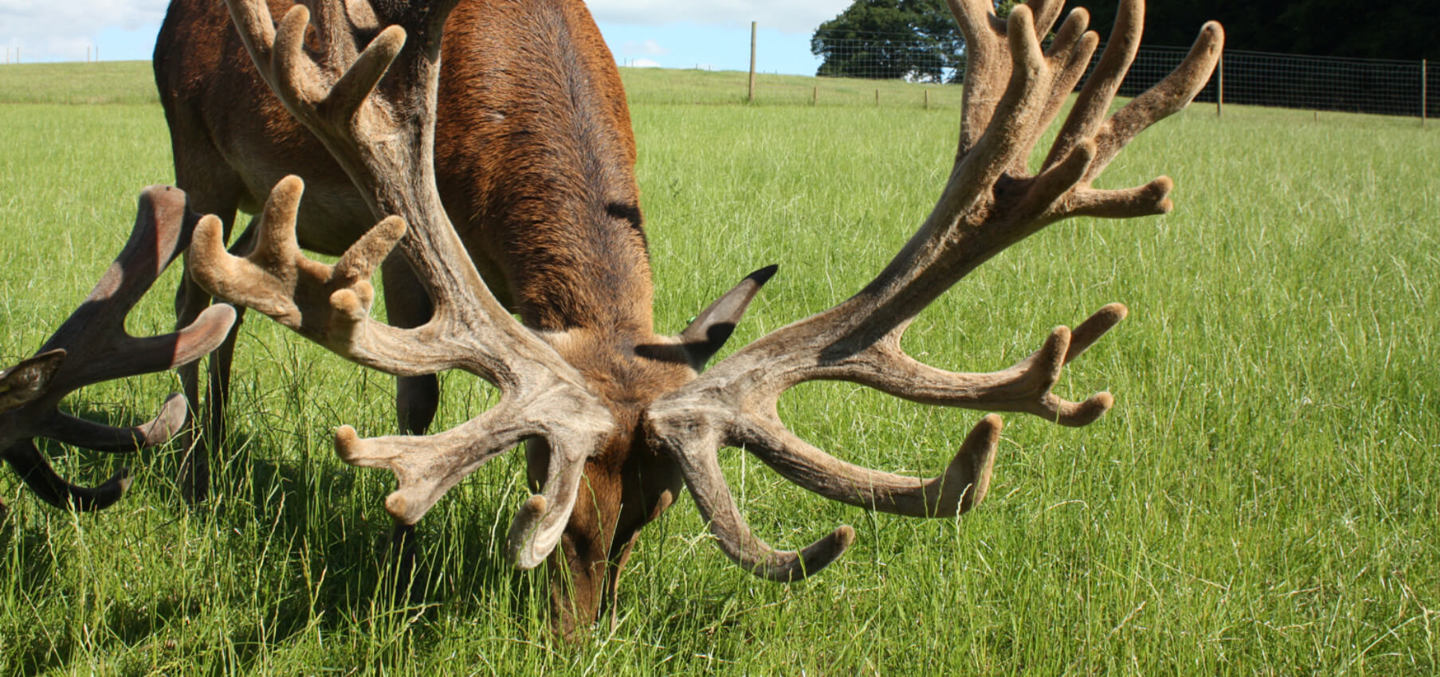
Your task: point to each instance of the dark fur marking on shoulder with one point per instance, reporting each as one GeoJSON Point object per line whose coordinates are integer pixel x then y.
{"type": "Point", "coordinates": [631, 214]}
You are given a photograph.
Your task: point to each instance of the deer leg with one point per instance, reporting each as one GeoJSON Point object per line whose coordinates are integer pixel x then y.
{"type": "Point", "coordinates": [416, 397]}
{"type": "Point", "coordinates": [402, 560]}
{"type": "Point", "coordinates": [208, 431]}
{"type": "Point", "coordinates": [194, 473]}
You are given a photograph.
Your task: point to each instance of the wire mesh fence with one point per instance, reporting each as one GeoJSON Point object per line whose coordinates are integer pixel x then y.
{"type": "Point", "coordinates": [1375, 86]}
{"type": "Point", "coordinates": [889, 57]}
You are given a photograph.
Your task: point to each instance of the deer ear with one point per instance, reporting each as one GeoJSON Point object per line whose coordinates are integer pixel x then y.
{"type": "Point", "coordinates": [713, 326]}
{"type": "Point", "coordinates": [24, 382]}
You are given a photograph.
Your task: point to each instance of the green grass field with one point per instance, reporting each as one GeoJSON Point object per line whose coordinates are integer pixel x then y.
{"type": "Point", "coordinates": [1262, 499]}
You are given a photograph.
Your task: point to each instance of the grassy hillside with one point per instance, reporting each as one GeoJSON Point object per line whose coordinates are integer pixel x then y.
{"type": "Point", "coordinates": [1263, 497]}
{"type": "Point", "coordinates": [132, 82]}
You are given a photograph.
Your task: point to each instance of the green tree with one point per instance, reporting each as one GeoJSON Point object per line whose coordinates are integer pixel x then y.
{"type": "Point", "coordinates": [1395, 29]}
{"type": "Point", "coordinates": [888, 39]}
{"type": "Point", "coordinates": [913, 39]}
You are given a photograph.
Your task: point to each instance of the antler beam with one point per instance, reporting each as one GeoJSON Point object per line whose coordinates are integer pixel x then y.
{"type": "Point", "coordinates": [373, 108]}
{"type": "Point", "coordinates": [1013, 90]}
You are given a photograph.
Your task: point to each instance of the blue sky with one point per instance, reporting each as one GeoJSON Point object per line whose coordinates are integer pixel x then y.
{"type": "Point", "coordinates": [666, 33]}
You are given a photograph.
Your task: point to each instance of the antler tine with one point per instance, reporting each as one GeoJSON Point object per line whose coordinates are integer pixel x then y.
{"type": "Point", "coordinates": [427, 467]}
{"type": "Point", "coordinates": [1161, 101]}
{"type": "Point", "coordinates": [329, 304]}
{"type": "Point", "coordinates": [1024, 387]}
{"type": "Point", "coordinates": [37, 474]}
{"type": "Point", "coordinates": [1069, 55]}
{"type": "Point", "coordinates": [1046, 12]}
{"type": "Point", "coordinates": [987, 69]}
{"type": "Point", "coordinates": [1093, 103]}
{"type": "Point", "coordinates": [161, 232]}
{"type": "Point", "coordinates": [693, 444]}
{"type": "Point", "coordinates": [110, 439]}
{"type": "Point", "coordinates": [963, 485]}
{"type": "Point", "coordinates": [989, 203]}
{"type": "Point", "coordinates": [360, 126]}
{"type": "Point", "coordinates": [381, 131]}
{"type": "Point", "coordinates": [92, 346]}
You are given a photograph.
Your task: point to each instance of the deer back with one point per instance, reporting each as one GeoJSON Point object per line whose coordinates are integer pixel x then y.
{"type": "Point", "coordinates": [534, 154]}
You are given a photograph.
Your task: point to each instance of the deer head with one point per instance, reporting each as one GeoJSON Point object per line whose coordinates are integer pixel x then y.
{"type": "Point", "coordinates": [92, 346]}
{"type": "Point", "coordinates": [373, 108]}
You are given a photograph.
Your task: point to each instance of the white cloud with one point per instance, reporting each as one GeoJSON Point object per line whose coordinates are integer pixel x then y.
{"type": "Point", "coordinates": [644, 63]}
{"type": "Point", "coordinates": [51, 30]}
{"type": "Point", "coordinates": [644, 47]}
{"type": "Point", "coordinates": [800, 16]}
{"type": "Point", "coordinates": [63, 30]}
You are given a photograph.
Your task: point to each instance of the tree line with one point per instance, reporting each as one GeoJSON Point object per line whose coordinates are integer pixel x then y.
{"type": "Point", "coordinates": [918, 39]}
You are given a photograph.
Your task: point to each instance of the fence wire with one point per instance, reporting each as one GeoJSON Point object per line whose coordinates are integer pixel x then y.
{"type": "Point", "coordinates": [1376, 86]}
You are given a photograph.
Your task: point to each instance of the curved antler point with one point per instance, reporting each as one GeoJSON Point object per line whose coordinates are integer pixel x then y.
{"type": "Point", "coordinates": [398, 507]}
{"type": "Point", "coordinates": [173, 413]}
{"type": "Point", "coordinates": [347, 443]}
{"type": "Point", "coordinates": [298, 10]}
{"type": "Point", "coordinates": [163, 197]}
{"type": "Point", "coordinates": [347, 302]}
{"type": "Point", "coordinates": [1091, 409]}
{"type": "Point", "coordinates": [390, 40]}
{"type": "Point", "coordinates": [393, 227]}
{"type": "Point", "coordinates": [221, 313]}
{"type": "Point", "coordinates": [521, 539]}
{"type": "Point", "coordinates": [1060, 334]}
{"type": "Point", "coordinates": [123, 480]}
{"type": "Point", "coordinates": [290, 183]}
{"type": "Point", "coordinates": [207, 238]}
{"type": "Point", "coordinates": [992, 421]}
{"type": "Point", "coordinates": [817, 555]}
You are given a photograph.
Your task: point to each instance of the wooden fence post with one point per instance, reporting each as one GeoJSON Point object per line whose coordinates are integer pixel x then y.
{"type": "Point", "coordinates": [1220, 86]}
{"type": "Point", "coordinates": [751, 96]}
{"type": "Point", "coordinates": [927, 99]}
{"type": "Point", "coordinates": [814, 94]}
{"type": "Point", "coordinates": [1424, 93]}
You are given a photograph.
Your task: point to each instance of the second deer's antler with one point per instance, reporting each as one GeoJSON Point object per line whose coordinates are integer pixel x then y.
{"type": "Point", "coordinates": [92, 346]}
{"type": "Point", "coordinates": [1013, 90]}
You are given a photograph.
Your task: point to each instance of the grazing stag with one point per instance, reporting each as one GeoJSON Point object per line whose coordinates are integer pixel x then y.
{"type": "Point", "coordinates": [544, 222]}
{"type": "Point", "coordinates": [92, 346]}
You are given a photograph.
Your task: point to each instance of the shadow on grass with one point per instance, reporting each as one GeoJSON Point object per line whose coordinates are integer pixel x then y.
{"type": "Point", "coordinates": [313, 531]}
